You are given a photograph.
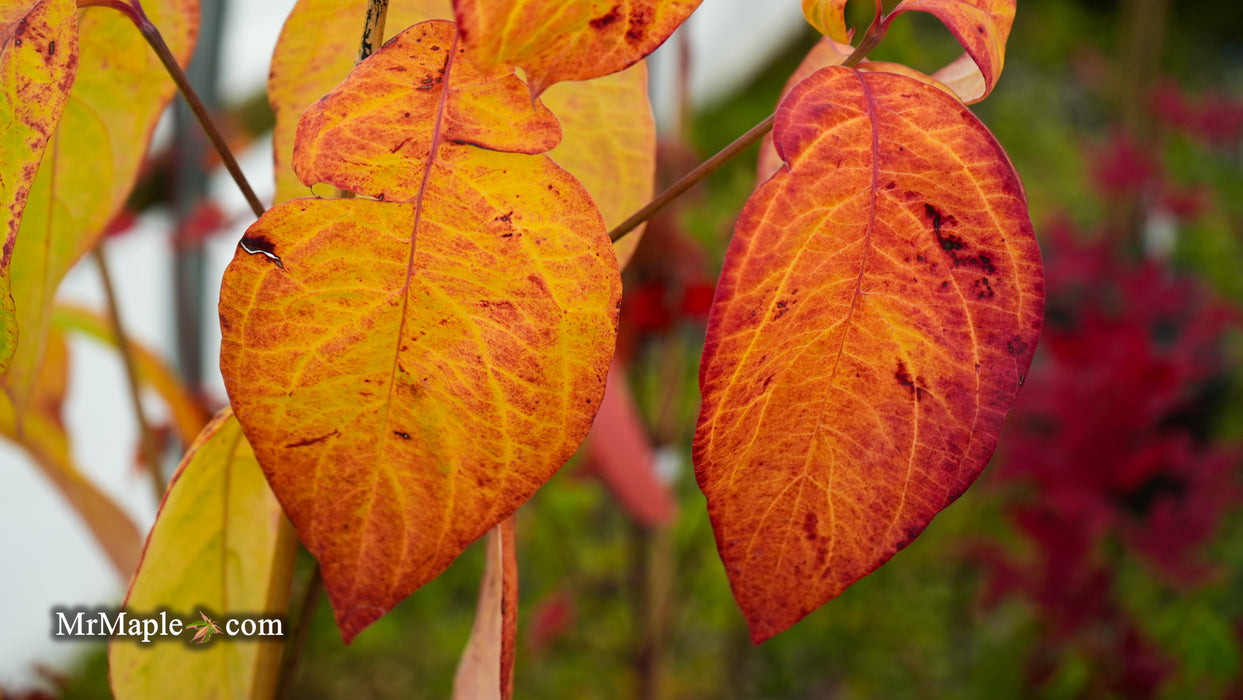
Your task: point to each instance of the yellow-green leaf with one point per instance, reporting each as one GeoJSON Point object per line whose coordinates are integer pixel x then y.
{"type": "Point", "coordinates": [91, 163]}
{"type": "Point", "coordinates": [38, 59]}
{"type": "Point", "coordinates": [187, 413]}
{"type": "Point", "coordinates": [220, 546]}
{"type": "Point", "coordinates": [555, 40]}
{"type": "Point", "coordinates": [409, 372]}
{"type": "Point", "coordinates": [608, 141]}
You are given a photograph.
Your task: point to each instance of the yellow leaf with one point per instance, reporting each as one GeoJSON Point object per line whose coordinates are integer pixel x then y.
{"type": "Point", "coordinates": [608, 141]}
{"type": "Point", "coordinates": [221, 544]}
{"type": "Point", "coordinates": [556, 40]}
{"type": "Point", "coordinates": [828, 17]}
{"type": "Point", "coordinates": [91, 163]}
{"type": "Point", "coordinates": [409, 372]}
{"type": "Point", "coordinates": [38, 59]}
{"type": "Point", "coordinates": [188, 415]}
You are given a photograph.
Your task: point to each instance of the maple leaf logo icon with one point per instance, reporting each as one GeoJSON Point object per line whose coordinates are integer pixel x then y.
{"type": "Point", "coordinates": [206, 628]}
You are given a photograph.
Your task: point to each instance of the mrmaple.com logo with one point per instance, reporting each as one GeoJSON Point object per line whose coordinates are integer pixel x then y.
{"type": "Point", "coordinates": [116, 623]}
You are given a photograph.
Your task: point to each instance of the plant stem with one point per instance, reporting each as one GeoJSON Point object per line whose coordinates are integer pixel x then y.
{"type": "Point", "coordinates": [301, 629]}
{"type": "Point", "coordinates": [692, 178]}
{"type": "Point", "coordinates": [870, 40]}
{"type": "Point", "coordinates": [133, 10]}
{"type": "Point", "coordinates": [150, 446]}
{"type": "Point", "coordinates": [373, 28]}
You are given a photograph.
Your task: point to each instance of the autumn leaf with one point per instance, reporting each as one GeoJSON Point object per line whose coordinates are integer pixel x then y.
{"type": "Point", "coordinates": [92, 160]}
{"type": "Point", "coordinates": [38, 59]}
{"type": "Point", "coordinates": [827, 53]}
{"type": "Point", "coordinates": [486, 669]}
{"type": "Point", "coordinates": [829, 18]}
{"type": "Point", "coordinates": [556, 40]}
{"type": "Point", "coordinates": [416, 367]}
{"type": "Point", "coordinates": [982, 27]}
{"type": "Point", "coordinates": [219, 542]}
{"type": "Point", "coordinates": [317, 47]}
{"type": "Point", "coordinates": [877, 312]}
{"type": "Point", "coordinates": [608, 133]}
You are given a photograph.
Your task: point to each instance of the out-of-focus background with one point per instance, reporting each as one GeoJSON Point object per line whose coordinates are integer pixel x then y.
{"type": "Point", "coordinates": [1098, 555]}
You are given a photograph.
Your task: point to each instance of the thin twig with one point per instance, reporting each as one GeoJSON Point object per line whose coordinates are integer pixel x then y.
{"type": "Point", "coordinates": [373, 29]}
{"type": "Point", "coordinates": [133, 11]}
{"type": "Point", "coordinates": [870, 40]}
{"type": "Point", "coordinates": [200, 111]}
{"type": "Point", "coordinates": [300, 630]}
{"type": "Point", "coordinates": [149, 444]}
{"type": "Point", "coordinates": [692, 178]}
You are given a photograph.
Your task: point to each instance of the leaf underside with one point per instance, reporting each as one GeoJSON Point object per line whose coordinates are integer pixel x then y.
{"type": "Point", "coordinates": [877, 312]}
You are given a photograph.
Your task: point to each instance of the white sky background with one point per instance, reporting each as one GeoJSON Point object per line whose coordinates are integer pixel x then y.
{"type": "Point", "coordinates": [49, 558]}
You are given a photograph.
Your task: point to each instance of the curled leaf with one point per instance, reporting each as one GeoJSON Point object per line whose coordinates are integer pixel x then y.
{"type": "Point", "coordinates": [828, 17]}
{"type": "Point", "coordinates": [556, 40]}
{"type": "Point", "coordinates": [982, 27]}
{"type": "Point", "coordinates": [877, 313]}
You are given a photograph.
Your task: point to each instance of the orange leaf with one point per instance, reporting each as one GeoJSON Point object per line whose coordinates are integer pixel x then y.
{"type": "Point", "coordinates": [877, 312]}
{"type": "Point", "coordinates": [316, 48]}
{"type": "Point", "coordinates": [609, 143]}
{"type": "Point", "coordinates": [608, 133]}
{"type": "Point", "coordinates": [830, 53]}
{"type": "Point", "coordinates": [380, 154]}
{"type": "Point", "coordinates": [38, 59]}
{"type": "Point", "coordinates": [486, 669]}
{"type": "Point", "coordinates": [219, 542]}
{"type": "Point", "coordinates": [982, 27]}
{"type": "Point", "coordinates": [91, 163]}
{"type": "Point", "coordinates": [410, 372]}
{"type": "Point", "coordinates": [555, 40]}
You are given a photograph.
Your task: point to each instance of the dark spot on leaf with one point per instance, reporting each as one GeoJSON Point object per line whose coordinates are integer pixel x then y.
{"type": "Point", "coordinates": [983, 289]}
{"type": "Point", "coordinates": [400, 434]}
{"type": "Point", "coordinates": [904, 378]}
{"type": "Point", "coordinates": [782, 308]}
{"type": "Point", "coordinates": [948, 243]}
{"type": "Point", "coordinates": [809, 526]}
{"type": "Point", "coordinates": [312, 441]}
{"type": "Point", "coordinates": [51, 48]}
{"type": "Point", "coordinates": [891, 185]}
{"type": "Point", "coordinates": [1016, 346]}
{"type": "Point", "coordinates": [606, 19]}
